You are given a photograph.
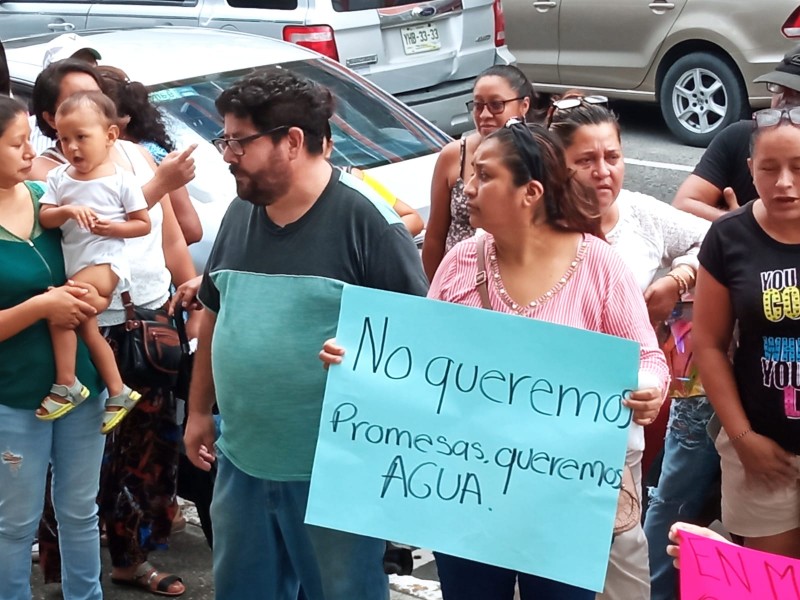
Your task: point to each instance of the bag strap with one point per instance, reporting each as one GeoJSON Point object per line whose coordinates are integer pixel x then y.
{"type": "Point", "coordinates": [481, 279]}
{"type": "Point", "coordinates": [127, 303]}
{"type": "Point", "coordinates": [180, 323]}
{"type": "Point", "coordinates": [462, 158]}
{"type": "Point", "coordinates": [180, 326]}
{"type": "Point", "coordinates": [127, 156]}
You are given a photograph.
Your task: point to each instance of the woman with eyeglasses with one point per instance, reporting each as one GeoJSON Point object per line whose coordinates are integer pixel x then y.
{"type": "Point", "coordinates": [543, 259]}
{"type": "Point", "coordinates": [748, 280]}
{"type": "Point", "coordinates": [500, 93]}
{"type": "Point", "coordinates": [649, 236]}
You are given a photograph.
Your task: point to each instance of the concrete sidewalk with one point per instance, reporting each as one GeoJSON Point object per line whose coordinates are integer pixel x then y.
{"type": "Point", "coordinates": [190, 557]}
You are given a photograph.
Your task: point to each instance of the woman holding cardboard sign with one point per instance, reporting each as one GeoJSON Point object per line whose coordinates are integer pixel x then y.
{"type": "Point", "coordinates": [540, 258]}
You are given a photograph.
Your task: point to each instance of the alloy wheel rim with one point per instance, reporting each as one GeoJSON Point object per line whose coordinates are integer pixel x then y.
{"type": "Point", "coordinates": [699, 101]}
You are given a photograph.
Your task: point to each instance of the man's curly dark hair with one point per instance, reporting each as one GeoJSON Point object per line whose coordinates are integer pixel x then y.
{"type": "Point", "coordinates": [275, 97]}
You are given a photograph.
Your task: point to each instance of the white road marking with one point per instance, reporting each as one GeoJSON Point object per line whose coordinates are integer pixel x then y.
{"type": "Point", "coordinates": [658, 165]}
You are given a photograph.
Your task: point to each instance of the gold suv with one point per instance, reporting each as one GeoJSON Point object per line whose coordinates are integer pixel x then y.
{"type": "Point", "coordinates": [696, 58]}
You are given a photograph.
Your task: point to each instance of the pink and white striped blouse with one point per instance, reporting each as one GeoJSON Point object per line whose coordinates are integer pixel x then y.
{"type": "Point", "coordinates": [601, 295]}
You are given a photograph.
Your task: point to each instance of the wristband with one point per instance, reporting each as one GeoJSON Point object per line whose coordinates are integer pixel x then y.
{"type": "Point", "coordinates": [683, 287]}
{"type": "Point", "coordinates": [740, 435]}
{"type": "Point", "coordinates": [690, 274]}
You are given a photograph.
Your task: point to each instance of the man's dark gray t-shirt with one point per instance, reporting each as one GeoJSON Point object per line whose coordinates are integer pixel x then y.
{"type": "Point", "coordinates": [276, 292]}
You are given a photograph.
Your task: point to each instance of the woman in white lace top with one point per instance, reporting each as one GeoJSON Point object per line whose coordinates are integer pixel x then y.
{"type": "Point", "coordinates": [648, 233]}
{"type": "Point", "coordinates": [650, 236]}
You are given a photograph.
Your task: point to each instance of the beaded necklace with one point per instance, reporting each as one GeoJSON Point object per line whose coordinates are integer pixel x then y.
{"type": "Point", "coordinates": [520, 309]}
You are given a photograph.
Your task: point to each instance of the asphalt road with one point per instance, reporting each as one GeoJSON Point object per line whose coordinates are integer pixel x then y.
{"type": "Point", "coordinates": [655, 163]}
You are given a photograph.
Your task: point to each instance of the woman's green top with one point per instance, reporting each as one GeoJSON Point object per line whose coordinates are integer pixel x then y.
{"type": "Point", "coordinates": [28, 268]}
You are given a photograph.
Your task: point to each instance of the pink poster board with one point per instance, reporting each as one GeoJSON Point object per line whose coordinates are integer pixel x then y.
{"type": "Point", "coordinates": [712, 570]}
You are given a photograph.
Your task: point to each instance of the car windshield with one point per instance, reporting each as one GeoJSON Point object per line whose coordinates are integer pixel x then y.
{"type": "Point", "coordinates": [369, 127]}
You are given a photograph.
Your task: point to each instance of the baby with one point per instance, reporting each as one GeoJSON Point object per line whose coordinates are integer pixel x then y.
{"type": "Point", "coordinates": [96, 204]}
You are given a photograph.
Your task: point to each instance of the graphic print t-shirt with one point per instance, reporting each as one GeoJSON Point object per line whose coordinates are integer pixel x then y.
{"type": "Point", "coordinates": [761, 275]}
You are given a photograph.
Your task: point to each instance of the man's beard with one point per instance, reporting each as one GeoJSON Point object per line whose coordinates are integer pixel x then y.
{"type": "Point", "coordinates": [272, 183]}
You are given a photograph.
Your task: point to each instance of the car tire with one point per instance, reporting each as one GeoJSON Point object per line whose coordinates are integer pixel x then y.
{"type": "Point", "coordinates": [700, 95]}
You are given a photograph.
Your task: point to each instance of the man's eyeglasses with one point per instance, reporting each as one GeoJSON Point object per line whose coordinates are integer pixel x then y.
{"type": "Point", "coordinates": [771, 117]}
{"type": "Point", "coordinates": [495, 107]}
{"type": "Point", "coordinates": [570, 103]}
{"type": "Point", "coordinates": [236, 145]}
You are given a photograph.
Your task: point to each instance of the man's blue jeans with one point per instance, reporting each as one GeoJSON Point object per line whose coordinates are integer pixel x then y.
{"type": "Point", "coordinates": [74, 446]}
{"type": "Point", "coordinates": [264, 551]}
{"type": "Point", "coordinates": [689, 468]}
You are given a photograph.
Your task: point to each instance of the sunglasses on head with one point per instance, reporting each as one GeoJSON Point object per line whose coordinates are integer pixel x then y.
{"type": "Point", "coordinates": [777, 88]}
{"type": "Point", "coordinates": [772, 117]}
{"type": "Point", "coordinates": [570, 103]}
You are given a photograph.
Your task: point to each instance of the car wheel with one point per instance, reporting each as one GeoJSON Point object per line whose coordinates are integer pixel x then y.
{"type": "Point", "coordinates": [701, 95]}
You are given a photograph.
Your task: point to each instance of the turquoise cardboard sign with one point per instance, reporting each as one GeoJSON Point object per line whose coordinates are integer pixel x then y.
{"type": "Point", "coordinates": [484, 435]}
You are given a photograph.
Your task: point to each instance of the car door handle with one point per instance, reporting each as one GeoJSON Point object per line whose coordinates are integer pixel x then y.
{"type": "Point", "coordinates": [661, 5]}
{"type": "Point", "coordinates": [61, 26]}
{"type": "Point", "coordinates": [544, 5]}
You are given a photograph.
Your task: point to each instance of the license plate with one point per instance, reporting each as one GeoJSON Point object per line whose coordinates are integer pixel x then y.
{"type": "Point", "coordinates": [420, 38]}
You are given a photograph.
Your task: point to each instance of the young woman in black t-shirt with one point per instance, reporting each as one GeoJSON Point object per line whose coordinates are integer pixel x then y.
{"type": "Point", "coordinates": [749, 278]}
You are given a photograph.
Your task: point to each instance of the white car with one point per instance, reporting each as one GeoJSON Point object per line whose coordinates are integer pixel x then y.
{"type": "Point", "coordinates": [427, 53]}
{"type": "Point", "coordinates": [185, 70]}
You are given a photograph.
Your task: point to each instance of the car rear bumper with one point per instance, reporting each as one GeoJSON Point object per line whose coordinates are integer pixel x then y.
{"type": "Point", "coordinates": [445, 104]}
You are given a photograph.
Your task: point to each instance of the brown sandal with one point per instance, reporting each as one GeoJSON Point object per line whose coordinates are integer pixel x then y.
{"type": "Point", "coordinates": [146, 577]}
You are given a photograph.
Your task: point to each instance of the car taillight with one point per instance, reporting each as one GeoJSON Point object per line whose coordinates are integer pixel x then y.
{"type": "Point", "coordinates": [318, 38]}
{"type": "Point", "coordinates": [499, 24]}
{"type": "Point", "coordinates": [791, 28]}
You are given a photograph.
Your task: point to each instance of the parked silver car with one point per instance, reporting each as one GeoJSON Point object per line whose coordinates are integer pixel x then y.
{"type": "Point", "coordinates": [696, 58]}
{"type": "Point", "coordinates": [427, 54]}
{"type": "Point", "coordinates": [371, 130]}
